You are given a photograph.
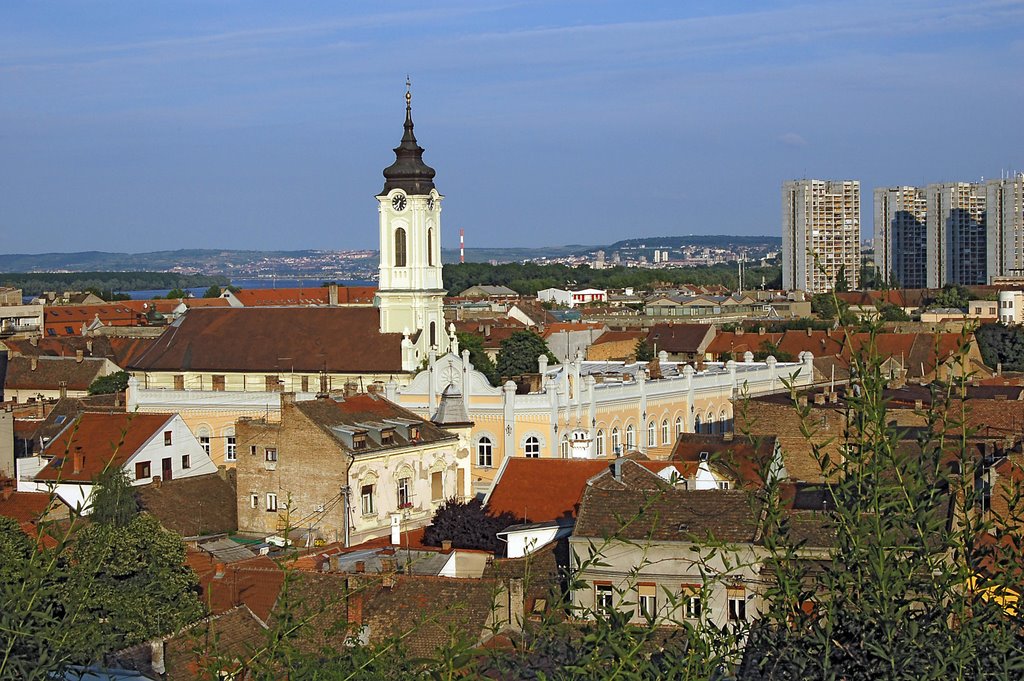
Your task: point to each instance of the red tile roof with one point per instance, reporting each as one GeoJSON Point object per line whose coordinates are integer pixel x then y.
{"type": "Point", "coordinates": [255, 583]}
{"type": "Point", "coordinates": [541, 490]}
{"type": "Point", "coordinates": [50, 372]}
{"type": "Point", "coordinates": [315, 295]}
{"type": "Point", "coordinates": [101, 440]}
{"type": "Point", "coordinates": [744, 460]}
{"type": "Point", "coordinates": [276, 339]}
{"type": "Point", "coordinates": [25, 507]}
{"type": "Point", "coordinates": [561, 327]}
{"type": "Point", "coordinates": [57, 320]}
{"type": "Point", "coordinates": [675, 338]}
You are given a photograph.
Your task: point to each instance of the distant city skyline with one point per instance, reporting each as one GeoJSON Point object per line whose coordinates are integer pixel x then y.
{"type": "Point", "coordinates": [131, 128]}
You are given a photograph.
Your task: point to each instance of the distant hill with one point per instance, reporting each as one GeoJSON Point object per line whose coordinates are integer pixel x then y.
{"type": "Point", "coordinates": [706, 240]}
{"type": "Point", "coordinates": [237, 263]}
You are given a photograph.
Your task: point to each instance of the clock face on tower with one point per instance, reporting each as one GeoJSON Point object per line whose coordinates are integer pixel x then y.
{"type": "Point", "coordinates": [398, 203]}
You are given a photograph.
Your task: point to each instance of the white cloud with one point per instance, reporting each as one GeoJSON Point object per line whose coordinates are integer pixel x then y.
{"type": "Point", "coordinates": [792, 139]}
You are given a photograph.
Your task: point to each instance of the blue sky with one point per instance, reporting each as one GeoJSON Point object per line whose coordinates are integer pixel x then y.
{"type": "Point", "coordinates": [134, 126]}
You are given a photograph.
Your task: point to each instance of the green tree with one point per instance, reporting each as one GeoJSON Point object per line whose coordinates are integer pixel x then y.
{"type": "Point", "coordinates": [952, 296]}
{"type": "Point", "coordinates": [824, 305]}
{"type": "Point", "coordinates": [644, 351]}
{"type": "Point", "coordinates": [888, 312]}
{"type": "Point", "coordinates": [134, 582]}
{"type": "Point", "coordinates": [842, 284]}
{"type": "Point", "coordinates": [176, 293]}
{"type": "Point", "coordinates": [113, 501]}
{"type": "Point", "coordinates": [519, 353]}
{"type": "Point", "coordinates": [111, 383]}
{"type": "Point", "coordinates": [478, 357]}
{"type": "Point", "coordinates": [212, 292]}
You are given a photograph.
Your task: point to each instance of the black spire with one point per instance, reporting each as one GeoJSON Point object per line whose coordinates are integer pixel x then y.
{"type": "Point", "coordinates": [408, 173]}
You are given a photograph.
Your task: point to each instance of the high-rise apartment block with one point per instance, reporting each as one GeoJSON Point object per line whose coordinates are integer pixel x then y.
{"type": "Point", "coordinates": [1005, 221]}
{"type": "Point", "coordinates": [820, 234]}
{"type": "Point", "coordinates": [901, 236]}
{"type": "Point", "coordinates": [964, 233]}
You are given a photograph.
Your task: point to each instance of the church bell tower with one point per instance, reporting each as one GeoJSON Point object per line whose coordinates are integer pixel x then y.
{"type": "Point", "coordinates": [411, 292]}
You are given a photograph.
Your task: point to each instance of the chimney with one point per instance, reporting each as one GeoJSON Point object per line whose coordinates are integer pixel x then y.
{"type": "Point", "coordinates": [332, 294]}
{"type": "Point", "coordinates": [34, 363]}
{"type": "Point", "coordinates": [79, 356]}
{"type": "Point", "coordinates": [446, 545]}
{"type": "Point", "coordinates": [34, 341]}
{"type": "Point", "coordinates": [286, 399]}
{"type": "Point", "coordinates": [810, 332]}
{"type": "Point", "coordinates": [7, 492]}
{"type": "Point", "coordinates": [78, 459]}
{"type": "Point", "coordinates": [88, 345]}
{"type": "Point", "coordinates": [761, 331]}
{"type": "Point", "coordinates": [739, 330]}
{"type": "Point", "coordinates": [63, 389]}
{"type": "Point", "coordinates": [156, 481]}
{"type": "Point", "coordinates": [617, 468]}
{"type": "Point", "coordinates": [801, 400]}
{"type": "Point", "coordinates": [355, 608]}
{"type": "Point", "coordinates": [918, 405]}
{"type": "Point", "coordinates": [351, 388]}
{"type": "Point", "coordinates": [222, 472]}
{"type": "Point", "coordinates": [819, 399]}
{"type": "Point", "coordinates": [219, 571]}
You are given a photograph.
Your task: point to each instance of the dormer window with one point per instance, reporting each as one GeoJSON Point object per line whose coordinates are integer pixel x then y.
{"type": "Point", "coordinates": [359, 441]}
{"type": "Point", "coordinates": [414, 433]}
{"type": "Point", "coordinates": [387, 437]}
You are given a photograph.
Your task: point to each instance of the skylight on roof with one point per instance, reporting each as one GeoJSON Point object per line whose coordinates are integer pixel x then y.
{"type": "Point", "coordinates": [60, 419]}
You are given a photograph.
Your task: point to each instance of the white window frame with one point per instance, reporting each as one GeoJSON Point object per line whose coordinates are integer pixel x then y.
{"type": "Point", "coordinates": [737, 605]}
{"type": "Point", "coordinates": [366, 500]}
{"type": "Point", "coordinates": [680, 426]}
{"type": "Point", "coordinates": [254, 500]}
{"type": "Point", "coordinates": [204, 442]}
{"type": "Point", "coordinates": [630, 437]}
{"type": "Point", "coordinates": [600, 442]}
{"type": "Point", "coordinates": [652, 433]}
{"type": "Point", "coordinates": [271, 502]}
{"type": "Point", "coordinates": [270, 454]}
{"type": "Point", "coordinates": [666, 433]}
{"type": "Point", "coordinates": [484, 452]}
{"type": "Point", "coordinates": [604, 597]}
{"type": "Point", "coordinates": [404, 491]}
{"type": "Point", "coordinates": [616, 442]}
{"type": "Point", "coordinates": [231, 449]}
{"type": "Point", "coordinates": [531, 447]}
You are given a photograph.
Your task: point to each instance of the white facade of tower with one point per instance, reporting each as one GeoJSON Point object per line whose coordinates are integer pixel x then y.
{"type": "Point", "coordinates": [411, 293]}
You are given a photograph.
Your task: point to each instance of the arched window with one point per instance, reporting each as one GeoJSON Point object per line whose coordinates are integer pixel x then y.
{"type": "Point", "coordinates": [652, 434]}
{"type": "Point", "coordinates": [630, 437]}
{"type": "Point", "coordinates": [679, 426]}
{"type": "Point", "coordinates": [430, 247]}
{"type": "Point", "coordinates": [600, 443]}
{"type": "Point", "coordinates": [485, 452]}
{"type": "Point", "coordinates": [616, 442]}
{"type": "Point", "coordinates": [726, 423]}
{"type": "Point", "coordinates": [696, 424]}
{"type": "Point", "coordinates": [532, 447]}
{"type": "Point", "coordinates": [665, 437]}
{"type": "Point", "coordinates": [399, 247]}
{"type": "Point", "coordinates": [565, 446]}
{"type": "Point", "coordinates": [433, 334]}
{"type": "Point", "coordinates": [710, 420]}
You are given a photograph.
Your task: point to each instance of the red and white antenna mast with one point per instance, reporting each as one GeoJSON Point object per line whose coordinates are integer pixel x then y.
{"type": "Point", "coordinates": [462, 245]}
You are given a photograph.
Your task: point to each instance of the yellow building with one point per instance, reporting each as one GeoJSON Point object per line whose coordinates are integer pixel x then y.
{"type": "Point", "coordinates": [588, 409]}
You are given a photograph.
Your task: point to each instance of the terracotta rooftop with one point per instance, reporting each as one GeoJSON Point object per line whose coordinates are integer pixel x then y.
{"type": "Point", "coordinates": [204, 504]}
{"type": "Point", "coordinates": [743, 459]}
{"type": "Point", "coordinates": [361, 412]}
{"type": "Point", "coordinates": [541, 490]}
{"type": "Point", "coordinates": [313, 295]}
{"type": "Point", "coordinates": [97, 440]}
{"type": "Point", "coordinates": [255, 583]}
{"type": "Point", "coordinates": [674, 338]}
{"type": "Point", "coordinates": [25, 507]}
{"type": "Point", "coordinates": [310, 339]}
{"type": "Point", "coordinates": [117, 349]}
{"type": "Point", "coordinates": [669, 515]}
{"type": "Point", "coordinates": [51, 371]}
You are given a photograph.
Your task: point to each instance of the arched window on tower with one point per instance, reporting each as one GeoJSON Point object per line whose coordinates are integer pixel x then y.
{"type": "Point", "coordinates": [430, 247]}
{"type": "Point", "coordinates": [399, 247]}
{"type": "Point", "coordinates": [433, 334]}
